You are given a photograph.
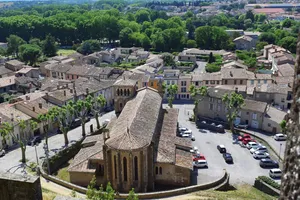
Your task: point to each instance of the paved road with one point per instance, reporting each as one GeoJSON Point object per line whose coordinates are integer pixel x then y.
{"type": "Point", "coordinates": [201, 67]}
{"type": "Point", "coordinates": [245, 168]}
{"type": "Point", "coordinates": [10, 162]}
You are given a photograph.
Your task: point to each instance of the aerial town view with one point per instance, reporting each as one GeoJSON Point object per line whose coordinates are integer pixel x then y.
{"type": "Point", "coordinates": [149, 99]}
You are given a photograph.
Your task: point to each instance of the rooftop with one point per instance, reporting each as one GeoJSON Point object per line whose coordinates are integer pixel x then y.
{"type": "Point", "coordinates": [4, 70]}
{"type": "Point", "coordinates": [7, 81]}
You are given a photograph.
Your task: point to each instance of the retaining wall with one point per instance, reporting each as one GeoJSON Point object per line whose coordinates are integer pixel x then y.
{"type": "Point", "coordinates": [264, 187]}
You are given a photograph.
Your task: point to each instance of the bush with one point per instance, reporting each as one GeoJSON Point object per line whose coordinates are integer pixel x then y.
{"type": "Point", "coordinates": [212, 67]}
{"type": "Point", "coordinates": [269, 181]}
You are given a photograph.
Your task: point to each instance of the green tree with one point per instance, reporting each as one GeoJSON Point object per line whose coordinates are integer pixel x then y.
{"type": "Point", "coordinates": [261, 45]}
{"type": "Point", "coordinates": [250, 15]}
{"type": "Point", "coordinates": [29, 53]}
{"type": "Point", "coordinates": [89, 46]}
{"type": "Point", "coordinates": [132, 195]}
{"type": "Point", "coordinates": [172, 91]}
{"type": "Point", "coordinates": [97, 104]}
{"type": "Point", "coordinates": [289, 43]}
{"type": "Point", "coordinates": [197, 94]}
{"type": "Point", "coordinates": [211, 58]}
{"type": "Point", "coordinates": [168, 59]}
{"type": "Point", "coordinates": [268, 37]}
{"type": "Point", "coordinates": [94, 194]}
{"type": "Point", "coordinates": [82, 108]}
{"type": "Point", "coordinates": [287, 23]}
{"type": "Point", "coordinates": [283, 126]}
{"type": "Point", "coordinates": [46, 119]}
{"type": "Point", "coordinates": [233, 103]}
{"type": "Point", "coordinates": [13, 43]}
{"type": "Point", "coordinates": [125, 37]}
{"type": "Point", "coordinates": [2, 51]}
{"type": "Point", "coordinates": [49, 46]}
{"type": "Point", "coordinates": [141, 16]}
{"type": "Point", "coordinates": [146, 42]}
{"type": "Point", "coordinates": [191, 44]}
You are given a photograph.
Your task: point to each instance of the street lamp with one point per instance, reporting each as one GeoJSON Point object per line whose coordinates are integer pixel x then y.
{"type": "Point", "coordinates": [280, 151]}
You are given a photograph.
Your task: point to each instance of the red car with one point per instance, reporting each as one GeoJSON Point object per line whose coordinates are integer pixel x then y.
{"type": "Point", "coordinates": [241, 138]}
{"type": "Point", "coordinates": [246, 140]}
{"type": "Point", "coordinates": [199, 157]}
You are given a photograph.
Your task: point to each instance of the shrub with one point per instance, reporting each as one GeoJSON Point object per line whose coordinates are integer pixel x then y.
{"type": "Point", "coordinates": [269, 181]}
{"type": "Point", "coordinates": [212, 67]}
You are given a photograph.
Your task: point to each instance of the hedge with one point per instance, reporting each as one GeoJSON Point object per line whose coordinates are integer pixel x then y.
{"type": "Point", "coordinates": [269, 181]}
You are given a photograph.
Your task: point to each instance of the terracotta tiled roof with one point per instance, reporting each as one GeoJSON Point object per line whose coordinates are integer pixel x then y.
{"type": "Point", "coordinates": [136, 125]}
{"type": "Point", "coordinates": [184, 159]}
{"type": "Point", "coordinates": [286, 70]}
{"type": "Point", "coordinates": [256, 106]}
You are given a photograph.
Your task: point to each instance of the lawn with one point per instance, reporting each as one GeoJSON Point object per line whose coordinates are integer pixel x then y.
{"type": "Point", "coordinates": [48, 195]}
{"type": "Point", "coordinates": [63, 173]}
{"type": "Point", "coordinates": [65, 52]}
{"type": "Point", "coordinates": [243, 192]}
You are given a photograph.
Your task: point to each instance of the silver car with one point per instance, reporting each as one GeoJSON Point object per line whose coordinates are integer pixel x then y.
{"type": "Point", "coordinates": [2, 152]}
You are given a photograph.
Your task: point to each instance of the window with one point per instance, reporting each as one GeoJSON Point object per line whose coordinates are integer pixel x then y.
{"type": "Point", "coordinates": [121, 93]}
{"type": "Point", "coordinates": [125, 168]}
{"type": "Point", "coordinates": [241, 82]}
{"type": "Point", "coordinates": [219, 108]}
{"type": "Point", "coordinates": [151, 84]}
{"type": "Point", "coordinates": [168, 82]}
{"type": "Point", "coordinates": [258, 81]}
{"type": "Point", "coordinates": [269, 125]}
{"type": "Point", "coordinates": [225, 82]}
{"type": "Point", "coordinates": [179, 57]}
{"type": "Point", "coordinates": [206, 82]}
{"type": "Point", "coordinates": [136, 172]}
{"type": "Point", "coordinates": [183, 89]}
{"type": "Point", "coordinates": [212, 82]}
{"type": "Point", "coordinates": [189, 58]}
{"type": "Point", "coordinates": [218, 82]}
{"type": "Point", "coordinates": [160, 170]}
{"type": "Point", "coordinates": [118, 92]}
{"type": "Point", "coordinates": [252, 82]}
{"type": "Point", "coordinates": [247, 113]}
{"type": "Point", "coordinates": [128, 92]}
{"type": "Point", "coordinates": [282, 100]}
{"type": "Point", "coordinates": [156, 170]}
{"type": "Point", "coordinates": [125, 92]}
{"type": "Point", "coordinates": [254, 116]}
{"type": "Point", "coordinates": [219, 101]}
{"type": "Point", "coordinates": [183, 83]}
{"type": "Point", "coordinates": [173, 82]}
{"type": "Point", "coordinates": [145, 84]}
{"type": "Point", "coordinates": [211, 106]}
{"type": "Point", "coordinates": [234, 82]}
{"type": "Point", "coordinates": [211, 99]}
{"type": "Point", "coordinates": [115, 166]}
{"type": "Point", "coordinates": [265, 81]}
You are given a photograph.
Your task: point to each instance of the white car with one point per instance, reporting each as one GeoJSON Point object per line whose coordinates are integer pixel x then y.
{"type": "Point", "coordinates": [182, 129]}
{"type": "Point", "coordinates": [260, 154]}
{"type": "Point", "coordinates": [251, 145]}
{"type": "Point", "coordinates": [200, 163]}
{"type": "Point", "coordinates": [194, 152]}
{"type": "Point", "coordinates": [275, 173]}
{"type": "Point", "coordinates": [280, 137]}
{"type": "Point", "coordinates": [259, 148]}
{"type": "Point", "coordinates": [188, 132]}
{"type": "Point", "coordinates": [2, 152]}
{"type": "Point", "coordinates": [186, 135]}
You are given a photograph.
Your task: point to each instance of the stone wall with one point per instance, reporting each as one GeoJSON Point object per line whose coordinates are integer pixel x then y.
{"type": "Point", "coordinates": [266, 188]}
{"type": "Point", "coordinates": [20, 187]}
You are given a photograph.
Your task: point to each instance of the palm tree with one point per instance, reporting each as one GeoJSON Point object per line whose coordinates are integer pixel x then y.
{"type": "Point", "coordinates": [82, 108]}
{"type": "Point", "coordinates": [200, 93]}
{"type": "Point", "coordinates": [97, 104]}
{"type": "Point", "coordinates": [46, 119]}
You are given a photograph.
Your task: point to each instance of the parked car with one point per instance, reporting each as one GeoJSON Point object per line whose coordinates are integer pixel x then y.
{"type": "Point", "coordinates": [59, 131]}
{"type": "Point", "coordinates": [188, 132]}
{"type": "Point", "coordinates": [76, 123]}
{"type": "Point", "coordinates": [2, 152]}
{"type": "Point", "coordinates": [251, 145]}
{"type": "Point", "coordinates": [193, 138]}
{"type": "Point", "coordinates": [221, 148]}
{"type": "Point", "coordinates": [267, 162]}
{"type": "Point", "coordinates": [245, 141]}
{"type": "Point", "coordinates": [185, 135]}
{"type": "Point", "coordinates": [182, 129]}
{"type": "Point", "coordinates": [260, 154]}
{"type": "Point", "coordinates": [35, 140]}
{"type": "Point", "coordinates": [259, 148]}
{"type": "Point", "coordinates": [200, 163]}
{"type": "Point", "coordinates": [220, 126]}
{"type": "Point", "coordinates": [275, 173]}
{"type": "Point", "coordinates": [198, 157]}
{"type": "Point", "coordinates": [280, 137]}
{"type": "Point", "coordinates": [227, 157]}
{"type": "Point", "coordinates": [242, 137]}
{"type": "Point", "coordinates": [241, 126]}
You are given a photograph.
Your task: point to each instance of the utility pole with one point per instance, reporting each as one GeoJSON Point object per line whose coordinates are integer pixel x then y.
{"type": "Point", "coordinates": [280, 151]}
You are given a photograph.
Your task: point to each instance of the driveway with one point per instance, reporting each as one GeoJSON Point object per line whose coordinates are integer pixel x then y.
{"type": "Point", "coordinates": [10, 162]}
{"type": "Point", "coordinates": [245, 168]}
{"type": "Point", "coordinates": [201, 67]}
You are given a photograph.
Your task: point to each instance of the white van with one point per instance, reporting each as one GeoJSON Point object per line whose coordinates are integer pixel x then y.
{"type": "Point", "coordinates": [275, 173]}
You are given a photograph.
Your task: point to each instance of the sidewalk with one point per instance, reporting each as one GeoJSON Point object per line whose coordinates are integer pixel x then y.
{"type": "Point", "coordinates": [57, 189]}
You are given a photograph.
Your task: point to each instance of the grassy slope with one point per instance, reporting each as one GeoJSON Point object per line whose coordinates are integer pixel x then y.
{"type": "Point", "coordinates": [62, 173]}
{"type": "Point", "coordinates": [65, 52]}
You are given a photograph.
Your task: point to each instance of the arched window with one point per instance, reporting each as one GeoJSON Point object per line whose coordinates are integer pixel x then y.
{"type": "Point", "coordinates": [128, 92]}
{"type": "Point", "coordinates": [136, 172]}
{"type": "Point", "coordinates": [125, 168]}
{"type": "Point", "coordinates": [125, 92]}
{"type": "Point", "coordinates": [156, 170]}
{"type": "Point", "coordinates": [121, 92]}
{"type": "Point", "coordinates": [160, 170]}
{"type": "Point", "coordinates": [118, 92]}
{"type": "Point", "coordinates": [115, 166]}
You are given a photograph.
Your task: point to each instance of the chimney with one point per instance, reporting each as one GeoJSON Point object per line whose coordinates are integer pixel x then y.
{"type": "Point", "coordinates": [40, 105]}
{"type": "Point", "coordinates": [65, 93]}
{"type": "Point", "coordinates": [33, 109]}
{"type": "Point", "coordinates": [27, 97]}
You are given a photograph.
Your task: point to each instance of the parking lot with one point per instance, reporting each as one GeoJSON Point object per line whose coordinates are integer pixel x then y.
{"type": "Point", "coordinates": [244, 168]}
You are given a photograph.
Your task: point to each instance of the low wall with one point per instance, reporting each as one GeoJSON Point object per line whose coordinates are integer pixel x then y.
{"type": "Point", "coordinates": [264, 187]}
{"type": "Point", "coordinates": [255, 136]}
{"type": "Point", "coordinates": [149, 195]}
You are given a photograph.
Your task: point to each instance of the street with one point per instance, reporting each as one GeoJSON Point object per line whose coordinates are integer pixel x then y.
{"type": "Point", "coordinates": [10, 162]}
{"type": "Point", "coordinates": [244, 169]}
{"type": "Point", "coordinates": [201, 67]}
